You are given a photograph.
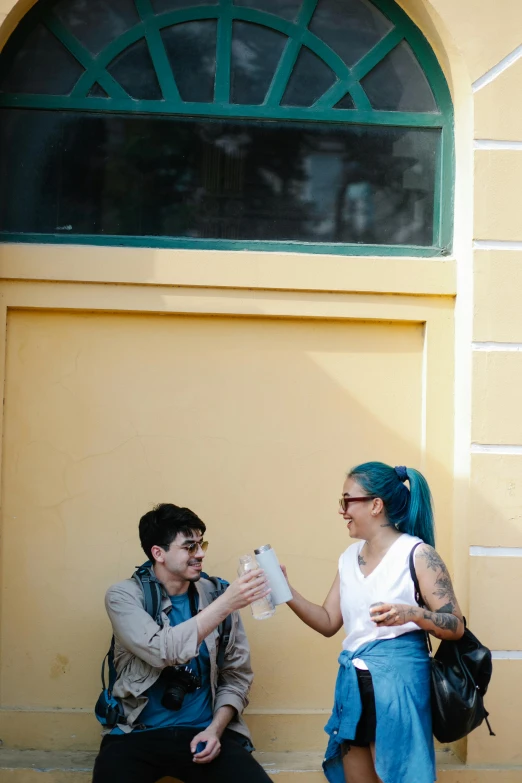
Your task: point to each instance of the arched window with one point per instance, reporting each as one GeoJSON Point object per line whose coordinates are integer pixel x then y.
{"type": "Point", "coordinates": [317, 125]}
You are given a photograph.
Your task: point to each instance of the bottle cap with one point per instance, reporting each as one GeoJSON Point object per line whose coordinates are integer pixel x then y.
{"type": "Point", "coordinates": [264, 548]}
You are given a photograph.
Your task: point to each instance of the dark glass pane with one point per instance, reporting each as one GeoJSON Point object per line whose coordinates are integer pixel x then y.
{"type": "Point", "coordinates": [191, 49]}
{"type": "Point", "coordinates": [97, 92]}
{"type": "Point", "coordinates": [398, 83]}
{"type": "Point", "coordinates": [42, 66]}
{"type": "Point", "coordinates": [81, 173]}
{"type": "Point", "coordinates": [134, 70]}
{"type": "Point", "coordinates": [286, 9]}
{"type": "Point", "coordinates": [310, 78]}
{"type": "Point", "coordinates": [345, 103]}
{"type": "Point", "coordinates": [160, 6]}
{"type": "Point", "coordinates": [97, 22]}
{"type": "Point", "coordinates": [256, 52]}
{"type": "Point", "coordinates": [349, 27]}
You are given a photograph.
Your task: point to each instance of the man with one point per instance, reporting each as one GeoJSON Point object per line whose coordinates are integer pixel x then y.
{"type": "Point", "coordinates": [196, 736]}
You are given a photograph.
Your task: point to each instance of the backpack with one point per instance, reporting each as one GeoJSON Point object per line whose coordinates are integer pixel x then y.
{"type": "Point", "coordinates": [460, 673]}
{"type": "Point", "coordinates": [108, 709]}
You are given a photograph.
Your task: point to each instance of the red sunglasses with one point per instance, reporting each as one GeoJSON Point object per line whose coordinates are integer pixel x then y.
{"type": "Point", "coordinates": [345, 502]}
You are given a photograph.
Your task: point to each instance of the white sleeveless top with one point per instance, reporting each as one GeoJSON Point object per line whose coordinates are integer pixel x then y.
{"type": "Point", "coordinates": [390, 582]}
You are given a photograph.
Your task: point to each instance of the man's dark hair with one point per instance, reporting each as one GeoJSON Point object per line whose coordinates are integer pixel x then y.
{"type": "Point", "coordinates": [160, 526]}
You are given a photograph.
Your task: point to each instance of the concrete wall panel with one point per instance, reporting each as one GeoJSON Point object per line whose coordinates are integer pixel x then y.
{"type": "Point", "coordinates": [496, 500]}
{"type": "Point", "coordinates": [497, 108]}
{"type": "Point", "coordinates": [495, 586]}
{"type": "Point", "coordinates": [498, 174]}
{"type": "Point", "coordinates": [497, 380]}
{"type": "Point", "coordinates": [498, 296]}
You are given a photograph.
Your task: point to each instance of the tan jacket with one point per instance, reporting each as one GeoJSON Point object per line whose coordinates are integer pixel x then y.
{"type": "Point", "coordinates": [143, 649]}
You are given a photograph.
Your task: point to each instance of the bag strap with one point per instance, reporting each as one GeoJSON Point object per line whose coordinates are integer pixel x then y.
{"type": "Point", "coordinates": [418, 594]}
{"type": "Point", "coordinates": [104, 684]}
{"type": "Point", "coordinates": [225, 627]}
{"type": "Point", "coordinates": [151, 591]}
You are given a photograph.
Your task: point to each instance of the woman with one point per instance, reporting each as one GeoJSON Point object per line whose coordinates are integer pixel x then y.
{"type": "Point", "coordinates": [380, 728]}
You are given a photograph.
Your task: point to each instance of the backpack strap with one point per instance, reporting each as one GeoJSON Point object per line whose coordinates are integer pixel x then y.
{"type": "Point", "coordinates": [109, 660]}
{"type": "Point", "coordinates": [225, 628]}
{"type": "Point", "coordinates": [151, 590]}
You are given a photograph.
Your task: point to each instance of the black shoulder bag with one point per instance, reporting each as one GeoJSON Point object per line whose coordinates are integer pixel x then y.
{"type": "Point", "coordinates": [460, 675]}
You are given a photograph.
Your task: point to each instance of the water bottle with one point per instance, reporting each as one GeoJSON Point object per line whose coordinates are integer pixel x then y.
{"type": "Point", "coordinates": [267, 559]}
{"type": "Point", "coordinates": [264, 608]}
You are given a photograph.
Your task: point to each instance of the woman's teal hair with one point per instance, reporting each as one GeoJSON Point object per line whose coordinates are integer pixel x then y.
{"type": "Point", "coordinates": [409, 510]}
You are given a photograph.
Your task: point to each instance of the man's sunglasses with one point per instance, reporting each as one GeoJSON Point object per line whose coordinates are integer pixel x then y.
{"type": "Point", "coordinates": [345, 502]}
{"type": "Point", "coordinates": [193, 548]}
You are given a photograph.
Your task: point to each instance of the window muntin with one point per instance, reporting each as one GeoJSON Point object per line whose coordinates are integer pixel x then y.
{"type": "Point", "coordinates": [184, 59]}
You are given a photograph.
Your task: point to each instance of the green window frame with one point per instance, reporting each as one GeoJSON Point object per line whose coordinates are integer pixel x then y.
{"type": "Point", "coordinates": [348, 82]}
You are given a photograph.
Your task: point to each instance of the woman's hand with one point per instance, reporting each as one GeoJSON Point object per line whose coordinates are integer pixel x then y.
{"type": "Point", "coordinates": [394, 614]}
{"type": "Point", "coordinates": [283, 569]}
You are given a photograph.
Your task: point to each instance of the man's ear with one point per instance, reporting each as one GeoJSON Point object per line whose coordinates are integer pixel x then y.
{"type": "Point", "coordinates": [158, 554]}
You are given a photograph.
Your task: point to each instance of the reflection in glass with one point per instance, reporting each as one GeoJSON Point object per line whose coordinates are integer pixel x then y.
{"type": "Point", "coordinates": [161, 6]}
{"type": "Point", "coordinates": [96, 23]}
{"type": "Point", "coordinates": [398, 83]}
{"type": "Point", "coordinates": [42, 66]}
{"type": "Point", "coordinates": [97, 91]}
{"type": "Point", "coordinates": [134, 70]}
{"type": "Point", "coordinates": [139, 175]}
{"type": "Point", "coordinates": [286, 9]}
{"type": "Point", "coordinates": [345, 103]}
{"type": "Point", "coordinates": [256, 52]}
{"type": "Point", "coordinates": [310, 78]}
{"type": "Point", "coordinates": [191, 49]}
{"type": "Point", "coordinates": [350, 27]}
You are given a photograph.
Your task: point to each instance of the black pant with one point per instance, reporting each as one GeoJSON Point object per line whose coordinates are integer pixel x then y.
{"type": "Point", "coordinates": [148, 756]}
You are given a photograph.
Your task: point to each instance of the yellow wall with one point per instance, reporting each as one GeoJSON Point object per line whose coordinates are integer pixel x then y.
{"type": "Point", "coordinates": [249, 422]}
{"type": "Point", "coordinates": [247, 406]}
{"type": "Point", "coordinates": [374, 346]}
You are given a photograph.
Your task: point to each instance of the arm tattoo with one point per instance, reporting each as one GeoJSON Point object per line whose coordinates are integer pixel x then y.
{"type": "Point", "coordinates": [361, 560]}
{"type": "Point", "coordinates": [443, 587]}
{"type": "Point", "coordinates": [408, 614]}
{"type": "Point", "coordinates": [446, 622]}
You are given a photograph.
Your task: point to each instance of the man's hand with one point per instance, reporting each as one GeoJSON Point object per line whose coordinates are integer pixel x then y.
{"type": "Point", "coordinates": [212, 735]}
{"type": "Point", "coordinates": [246, 589]}
{"type": "Point", "coordinates": [212, 749]}
{"type": "Point", "coordinates": [394, 614]}
{"type": "Point", "coordinates": [242, 592]}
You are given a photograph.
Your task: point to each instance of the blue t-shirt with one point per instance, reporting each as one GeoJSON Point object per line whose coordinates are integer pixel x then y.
{"type": "Point", "coordinates": [196, 711]}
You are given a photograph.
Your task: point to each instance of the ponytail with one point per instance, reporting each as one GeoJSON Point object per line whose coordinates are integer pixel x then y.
{"type": "Point", "coordinates": [420, 512]}
{"type": "Point", "coordinates": [408, 510]}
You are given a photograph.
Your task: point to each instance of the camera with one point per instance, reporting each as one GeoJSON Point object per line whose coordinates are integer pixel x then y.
{"type": "Point", "coordinates": [180, 680]}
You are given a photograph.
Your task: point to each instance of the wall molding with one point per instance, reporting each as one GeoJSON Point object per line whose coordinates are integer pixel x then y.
{"type": "Point", "coordinates": [506, 655]}
{"type": "Point", "coordinates": [492, 347]}
{"type": "Point", "coordinates": [496, 244]}
{"type": "Point", "coordinates": [494, 448]}
{"type": "Point", "coordinates": [494, 144]}
{"type": "Point", "coordinates": [495, 551]}
{"type": "Point", "coordinates": [497, 69]}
